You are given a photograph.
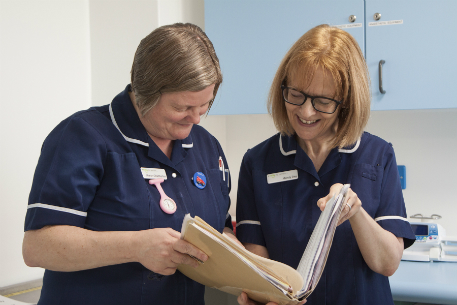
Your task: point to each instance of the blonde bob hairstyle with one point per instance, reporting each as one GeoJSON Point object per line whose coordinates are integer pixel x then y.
{"type": "Point", "coordinates": [173, 58]}
{"type": "Point", "coordinates": [338, 54]}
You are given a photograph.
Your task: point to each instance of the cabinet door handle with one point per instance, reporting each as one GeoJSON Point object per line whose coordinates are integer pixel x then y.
{"type": "Point", "coordinates": [381, 62]}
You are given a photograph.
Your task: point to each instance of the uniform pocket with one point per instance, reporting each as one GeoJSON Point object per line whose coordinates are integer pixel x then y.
{"type": "Point", "coordinates": [122, 201]}
{"type": "Point", "coordinates": [366, 183]}
{"type": "Point", "coordinates": [367, 171]}
{"type": "Point", "coordinates": [220, 191]}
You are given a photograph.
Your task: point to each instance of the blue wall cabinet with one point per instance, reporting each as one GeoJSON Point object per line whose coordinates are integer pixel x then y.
{"type": "Point", "coordinates": [417, 41]}
{"type": "Point", "coordinates": [252, 36]}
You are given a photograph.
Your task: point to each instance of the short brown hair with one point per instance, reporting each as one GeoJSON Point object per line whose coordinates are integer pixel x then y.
{"type": "Point", "coordinates": [173, 58]}
{"type": "Point", "coordinates": [336, 52]}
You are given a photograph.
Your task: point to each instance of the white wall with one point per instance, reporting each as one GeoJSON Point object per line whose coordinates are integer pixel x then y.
{"type": "Point", "coordinates": [44, 77]}
{"type": "Point", "coordinates": [116, 29]}
{"type": "Point", "coordinates": [425, 141]}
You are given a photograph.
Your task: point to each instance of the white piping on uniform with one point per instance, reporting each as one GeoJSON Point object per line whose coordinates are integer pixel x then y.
{"type": "Point", "coordinates": [125, 137]}
{"type": "Point", "coordinates": [390, 217]}
{"type": "Point", "coordinates": [282, 150]}
{"type": "Point", "coordinates": [251, 222]}
{"type": "Point", "coordinates": [350, 151]}
{"type": "Point", "coordinates": [135, 140]}
{"type": "Point", "coordinates": [53, 207]}
{"type": "Point", "coordinates": [227, 216]}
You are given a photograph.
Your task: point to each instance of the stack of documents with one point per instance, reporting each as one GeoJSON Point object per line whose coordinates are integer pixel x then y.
{"type": "Point", "coordinates": [233, 269]}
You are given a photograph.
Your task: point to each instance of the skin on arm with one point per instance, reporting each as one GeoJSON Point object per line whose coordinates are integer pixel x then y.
{"type": "Point", "coordinates": [257, 249]}
{"type": "Point", "coordinates": [380, 249]}
{"type": "Point", "coordinates": [69, 248]}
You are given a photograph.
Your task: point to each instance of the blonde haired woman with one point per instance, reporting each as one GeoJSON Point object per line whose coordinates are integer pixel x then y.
{"type": "Point", "coordinates": [320, 103]}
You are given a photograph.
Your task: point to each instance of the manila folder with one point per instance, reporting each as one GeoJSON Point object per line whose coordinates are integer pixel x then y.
{"type": "Point", "coordinates": [233, 269]}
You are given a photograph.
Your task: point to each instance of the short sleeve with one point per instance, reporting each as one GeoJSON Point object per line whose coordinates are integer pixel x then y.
{"type": "Point", "coordinates": [391, 214]}
{"type": "Point", "coordinates": [248, 227]}
{"type": "Point", "coordinates": [68, 173]}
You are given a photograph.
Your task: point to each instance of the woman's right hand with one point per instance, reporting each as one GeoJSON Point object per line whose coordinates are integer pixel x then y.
{"type": "Point", "coordinates": [244, 300]}
{"type": "Point", "coordinates": [162, 250]}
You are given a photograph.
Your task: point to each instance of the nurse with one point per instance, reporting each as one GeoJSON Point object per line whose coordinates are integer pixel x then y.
{"type": "Point", "coordinates": [113, 183]}
{"type": "Point", "coordinates": [320, 104]}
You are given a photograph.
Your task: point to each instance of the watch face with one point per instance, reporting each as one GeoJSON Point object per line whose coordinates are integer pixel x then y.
{"type": "Point", "coordinates": [168, 205]}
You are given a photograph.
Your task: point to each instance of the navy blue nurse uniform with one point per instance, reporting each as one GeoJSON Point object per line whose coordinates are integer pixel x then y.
{"type": "Point", "coordinates": [89, 176]}
{"type": "Point", "coordinates": [282, 215]}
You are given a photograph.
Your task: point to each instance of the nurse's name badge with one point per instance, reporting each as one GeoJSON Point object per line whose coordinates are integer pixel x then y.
{"type": "Point", "coordinates": [153, 173]}
{"type": "Point", "coordinates": [199, 180]}
{"type": "Point", "coordinates": [282, 176]}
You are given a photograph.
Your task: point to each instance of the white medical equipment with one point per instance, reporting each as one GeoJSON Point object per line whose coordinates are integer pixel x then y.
{"type": "Point", "coordinates": [431, 244]}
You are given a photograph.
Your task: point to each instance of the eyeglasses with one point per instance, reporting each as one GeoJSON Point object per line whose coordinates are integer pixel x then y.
{"type": "Point", "coordinates": [320, 103]}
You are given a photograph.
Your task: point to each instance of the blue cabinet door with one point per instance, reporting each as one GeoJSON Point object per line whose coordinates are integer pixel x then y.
{"type": "Point", "coordinates": [252, 36]}
{"type": "Point", "coordinates": [418, 42]}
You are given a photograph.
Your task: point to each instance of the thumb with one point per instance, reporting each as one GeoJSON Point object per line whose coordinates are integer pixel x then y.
{"type": "Point", "coordinates": [321, 203]}
{"type": "Point", "coordinates": [174, 233]}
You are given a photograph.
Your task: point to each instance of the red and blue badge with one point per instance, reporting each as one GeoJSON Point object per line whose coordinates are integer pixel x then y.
{"type": "Point", "coordinates": [199, 180]}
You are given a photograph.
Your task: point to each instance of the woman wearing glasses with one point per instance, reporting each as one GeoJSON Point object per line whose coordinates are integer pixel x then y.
{"type": "Point", "coordinates": [320, 103]}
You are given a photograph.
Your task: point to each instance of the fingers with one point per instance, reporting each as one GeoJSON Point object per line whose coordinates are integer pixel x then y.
{"type": "Point", "coordinates": [184, 247]}
{"type": "Point", "coordinates": [334, 189]}
{"type": "Point", "coordinates": [351, 206]}
{"type": "Point", "coordinates": [162, 251]}
{"type": "Point", "coordinates": [173, 233]}
{"type": "Point", "coordinates": [244, 300]}
{"type": "Point", "coordinates": [322, 202]}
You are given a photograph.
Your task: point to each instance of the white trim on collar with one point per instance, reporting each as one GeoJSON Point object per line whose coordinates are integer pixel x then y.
{"type": "Point", "coordinates": [282, 150]}
{"type": "Point", "coordinates": [346, 151]}
{"type": "Point", "coordinates": [135, 140]}
{"type": "Point", "coordinates": [350, 151]}
{"type": "Point", "coordinates": [125, 137]}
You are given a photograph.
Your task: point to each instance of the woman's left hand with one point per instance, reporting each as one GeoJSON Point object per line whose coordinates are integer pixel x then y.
{"type": "Point", "coordinates": [229, 233]}
{"type": "Point", "coordinates": [351, 203]}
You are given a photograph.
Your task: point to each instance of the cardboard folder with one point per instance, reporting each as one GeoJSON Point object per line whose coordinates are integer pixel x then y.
{"type": "Point", "coordinates": [233, 269]}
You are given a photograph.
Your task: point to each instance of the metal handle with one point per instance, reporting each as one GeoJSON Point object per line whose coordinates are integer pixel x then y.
{"type": "Point", "coordinates": [381, 62]}
{"type": "Point", "coordinates": [419, 216]}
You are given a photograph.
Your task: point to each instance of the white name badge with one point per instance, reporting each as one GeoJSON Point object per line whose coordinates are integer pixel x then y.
{"type": "Point", "coordinates": [153, 173]}
{"type": "Point", "coordinates": [282, 176]}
